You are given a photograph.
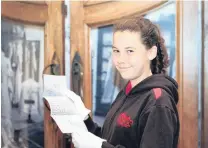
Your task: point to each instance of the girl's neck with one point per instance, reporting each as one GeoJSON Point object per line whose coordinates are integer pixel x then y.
{"type": "Point", "coordinates": [144, 75]}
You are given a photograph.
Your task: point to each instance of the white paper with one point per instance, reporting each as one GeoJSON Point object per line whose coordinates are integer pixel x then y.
{"type": "Point", "coordinates": [61, 105]}
{"type": "Point", "coordinates": [54, 85]}
{"type": "Point", "coordinates": [62, 108]}
{"type": "Point", "coordinates": [69, 123]}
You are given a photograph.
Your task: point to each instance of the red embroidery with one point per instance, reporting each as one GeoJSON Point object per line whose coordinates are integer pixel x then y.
{"type": "Point", "coordinates": [157, 92]}
{"type": "Point", "coordinates": [124, 120]}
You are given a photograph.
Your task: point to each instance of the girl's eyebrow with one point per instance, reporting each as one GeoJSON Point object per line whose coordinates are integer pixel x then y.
{"type": "Point", "coordinates": [114, 46]}
{"type": "Point", "coordinates": [130, 48]}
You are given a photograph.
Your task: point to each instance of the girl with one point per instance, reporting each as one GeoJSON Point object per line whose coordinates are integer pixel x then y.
{"type": "Point", "coordinates": [144, 114]}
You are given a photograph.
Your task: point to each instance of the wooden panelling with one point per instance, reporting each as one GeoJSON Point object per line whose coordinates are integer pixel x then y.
{"type": "Point", "coordinates": [80, 42]}
{"type": "Point", "coordinates": [87, 69]}
{"type": "Point", "coordinates": [77, 33]}
{"type": "Point", "coordinates": [179, 67]}
{"type": "Point", "coordinates": [105, 13]}
{"type": "Point", "coordinates": [54, 30]}
{"type": "Point", "coordinates": [205, 74]}
{"type": "Point", "coordinates": [48, 127]}
{"type": "Point", "coordinates": [190, 74]}
{"type": "Point", "coordinates": [53, 137]}
{"type": "Point", "coordinates": [30, 13]}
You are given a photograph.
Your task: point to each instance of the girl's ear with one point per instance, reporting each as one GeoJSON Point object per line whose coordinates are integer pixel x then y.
{"type": "Point", "coordinates": [152, 53]}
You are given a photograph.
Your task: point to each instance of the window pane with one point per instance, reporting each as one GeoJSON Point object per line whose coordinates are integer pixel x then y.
{"type": "Point", "coordinates": [22, 61]}
{"type": "Point", "coordinates": [164, 17]}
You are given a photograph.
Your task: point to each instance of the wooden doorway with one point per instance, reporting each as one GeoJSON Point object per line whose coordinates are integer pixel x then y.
{"type": "Point", "coordinates": [91, 23]}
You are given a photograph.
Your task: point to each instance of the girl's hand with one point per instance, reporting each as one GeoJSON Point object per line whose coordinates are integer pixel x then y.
{"type": "Point", "coordinates": [84, 139]}
{"type": "Point", "coordinates": [82, 110]}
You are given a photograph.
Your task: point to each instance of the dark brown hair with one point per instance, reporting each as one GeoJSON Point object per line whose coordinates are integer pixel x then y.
{"type": "Point", "coordinates": [150, 36]}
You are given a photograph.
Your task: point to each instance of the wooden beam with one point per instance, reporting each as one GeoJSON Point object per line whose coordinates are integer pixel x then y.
{"type": "Point", "coordinates": [190, 73]}
{"type": "Point", "coordinates": [93, 2]}
{"type": "Point", "coordinates": [54, 30]}
{"type": "Point", "coordinates": [87, 69]}
{"type": "Point", "coordinates": [104, 13]}
{"type": "Point", "coordinates": [179, 66]}
{"type": "Point", "coordinates": [79, 41]}
{"type": "Point", "coordinates": [28, 13]}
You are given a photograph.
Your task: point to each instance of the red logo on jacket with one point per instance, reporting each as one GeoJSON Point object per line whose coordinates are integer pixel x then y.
{"type": "Point", "coordinates": [124, 120]}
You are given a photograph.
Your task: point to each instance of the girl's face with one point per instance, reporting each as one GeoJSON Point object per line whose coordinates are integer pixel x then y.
{"type": "Point", "coordinates": [130, 56]}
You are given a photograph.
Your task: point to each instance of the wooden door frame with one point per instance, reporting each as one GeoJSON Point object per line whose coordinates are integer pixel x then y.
{"type": "Point", "coordinates": [39, 13]}
{"type": "Point", "coordinates": [89, 14]}
{"type": "Point", "coordinates": [189, 76]}
{"type": "Point", "coordinates": [205, 75]}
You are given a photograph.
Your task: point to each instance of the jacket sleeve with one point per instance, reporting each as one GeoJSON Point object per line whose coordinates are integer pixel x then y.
{"type": "Point", "coordinates": [108, 145]}
{"type": "Point", "coordinates": [93, 127]}
{"type": "Point", "coordinates": [159, 125]}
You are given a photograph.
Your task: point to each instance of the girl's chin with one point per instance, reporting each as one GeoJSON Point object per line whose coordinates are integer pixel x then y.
{"type": "Point", "coordinates": [126, 76]}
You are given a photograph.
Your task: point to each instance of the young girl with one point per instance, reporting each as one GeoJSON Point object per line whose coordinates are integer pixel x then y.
{"type": "Point", "coordinates": [144, 114]}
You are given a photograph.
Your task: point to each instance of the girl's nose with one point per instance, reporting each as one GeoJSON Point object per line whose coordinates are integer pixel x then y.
{"type": "Point", "coordinates": [122, 58]}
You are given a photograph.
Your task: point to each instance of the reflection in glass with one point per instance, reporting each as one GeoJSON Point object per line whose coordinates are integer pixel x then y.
{"type": "Point", "coordinates": [106, 81]}
{"type": "Point", "coordinates": [22, 61]}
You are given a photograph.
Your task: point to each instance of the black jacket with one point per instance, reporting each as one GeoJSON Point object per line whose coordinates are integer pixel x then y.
{"type": "Point", "coordinates": [146, 117]}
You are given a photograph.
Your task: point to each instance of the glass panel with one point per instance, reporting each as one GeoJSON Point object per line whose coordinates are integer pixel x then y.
{"type": "Point", "coordinates": [105, 87]}
{"type": "Point", "coordinates": [106, 81]}
{"type": "Point", "coordinates": [22, 61]}
{"type": "Point", "coordinates": [165, 19]}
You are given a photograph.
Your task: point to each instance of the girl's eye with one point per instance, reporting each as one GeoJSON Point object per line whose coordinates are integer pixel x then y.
{"type": "Point", "coordinates": [130, 51]}
{"type": "Point", "coordinates": [116, 51]}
